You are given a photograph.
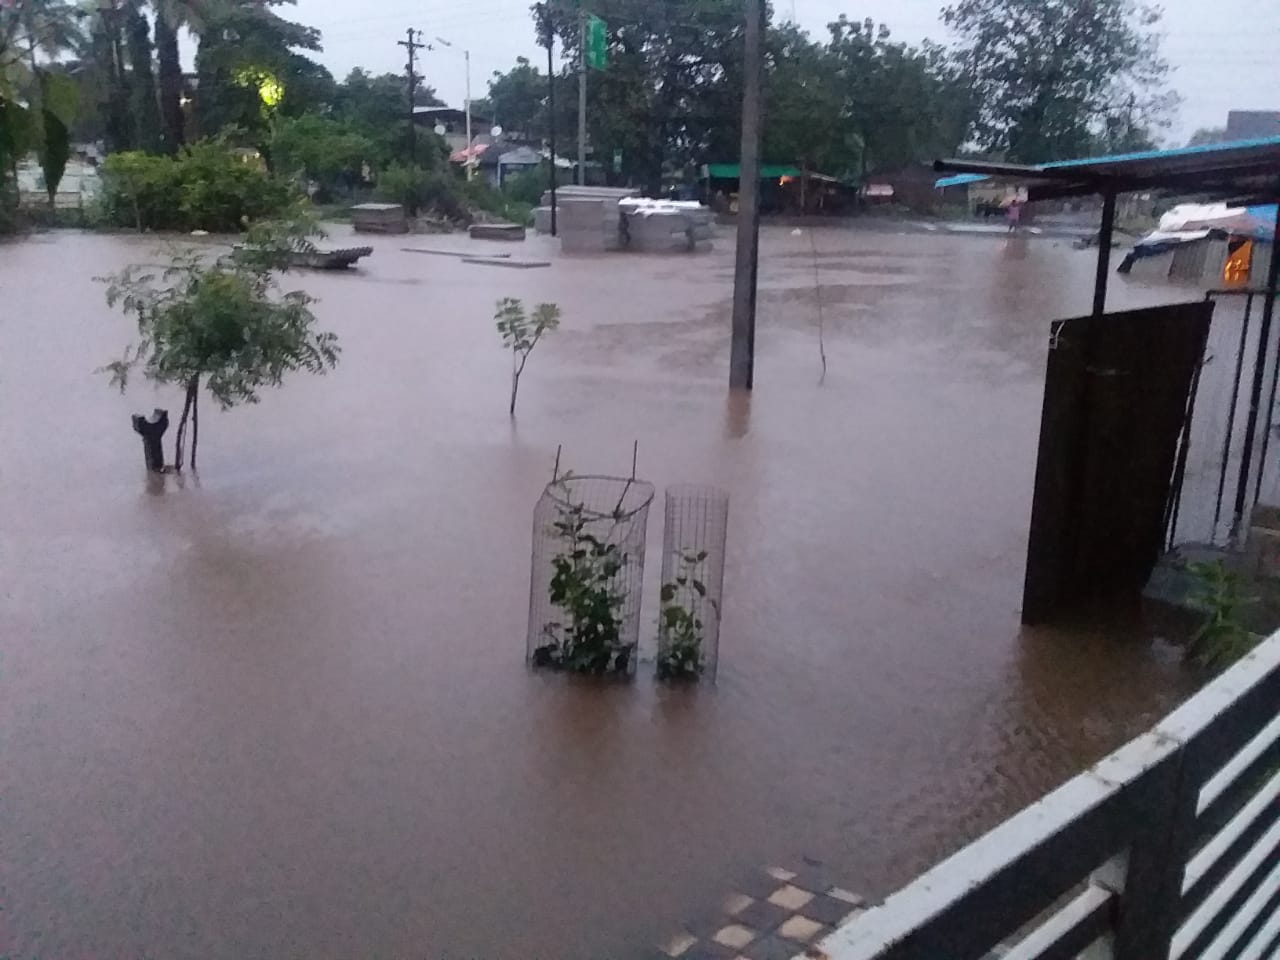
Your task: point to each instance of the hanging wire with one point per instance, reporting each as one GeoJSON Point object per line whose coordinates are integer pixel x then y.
{"type": "Point", "coordinates": [817, 293]}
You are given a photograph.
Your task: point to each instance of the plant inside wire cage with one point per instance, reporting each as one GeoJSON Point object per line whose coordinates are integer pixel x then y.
{"type": "Point", "coordinates": [680, 620]}
{"type": "Point", "coordinates": [588, 570]}
{"type": "Point", "coordinates": [690, 601]}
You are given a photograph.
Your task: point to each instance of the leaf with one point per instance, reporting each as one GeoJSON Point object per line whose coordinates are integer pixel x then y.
{"type": "Point", "coordinates": [700, 587]}
{"type": "Point", "coordinates": [668, 592]}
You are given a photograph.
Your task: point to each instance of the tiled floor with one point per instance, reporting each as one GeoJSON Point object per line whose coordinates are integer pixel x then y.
{"type": "Point", "coordinates": [775, 914]}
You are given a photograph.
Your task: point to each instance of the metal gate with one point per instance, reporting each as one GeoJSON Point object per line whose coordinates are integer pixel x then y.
{"type": "Point", "coordinates": [1119, 389]}
{"type": "Point", "coordinates": [1225, 460]}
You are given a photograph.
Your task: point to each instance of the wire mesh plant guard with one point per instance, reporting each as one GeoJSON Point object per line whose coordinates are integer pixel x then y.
{"type": "Point", "coordinates": [588, 570]}
{"type": "Point", "coordinates": [693, 544]}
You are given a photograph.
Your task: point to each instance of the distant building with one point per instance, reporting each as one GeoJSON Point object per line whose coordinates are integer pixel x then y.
{"type": "Point", "coordinates": [454, 122]}
{"type": "Point", "coordinates": [1253, 124]}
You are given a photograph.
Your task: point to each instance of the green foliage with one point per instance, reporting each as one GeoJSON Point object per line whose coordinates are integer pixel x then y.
{"type": "Point", "coordinates": [526, 186]}
{"type": "Point", "coordinates": [1222, 639]}
{"type": "Point", "coordinates": [208, 186]}
{"type": "Point", "coordinates": [520, 334]}
{"type": "Point", "coordinates": [55, 151]}
{"type": "Point", "coordinates": [1205, 136]}
{"type": "Point", "coordinates": [420, 191]}
{"type": "Point", "coordinates": [251, 72]}
{"type": "Point", "coordinates": [584, 585]}
{"type": "Point", "coordinates": [898, 104]}
{"type": "Point", "coordinates": [480, 195]}
{"type": "Point", "coordinates": [376, 106]}
{"type": "Point", "coordinates": [221, 322]}
{"type": "Point", "coordinates": [680, 620]}
{"type": "Point", "coordinates": [517, 100]}
{"type": "Point", "coordinates": [1048, 75]}
{"type": "Point", "coordinates": [147, 132]}
{"type": "Point", "coordinates": [327, 151]}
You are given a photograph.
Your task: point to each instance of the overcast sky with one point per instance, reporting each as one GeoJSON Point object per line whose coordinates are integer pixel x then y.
{"type": "Point", "coordinates": [1223, 53]}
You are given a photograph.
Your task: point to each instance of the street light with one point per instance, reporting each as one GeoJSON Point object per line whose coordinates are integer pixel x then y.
{"type": "Point", "coordinates": [467, 56]}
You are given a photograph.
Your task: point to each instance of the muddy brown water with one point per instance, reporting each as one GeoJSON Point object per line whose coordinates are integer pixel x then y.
{"type": "Point", "coordinates": [281, 710]}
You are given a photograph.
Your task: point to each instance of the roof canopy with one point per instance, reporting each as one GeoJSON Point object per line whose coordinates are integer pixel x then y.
{"type": "Point", "coordinates": [1243, 168]}
{"type": "Point", "coordinates": [730, 171]}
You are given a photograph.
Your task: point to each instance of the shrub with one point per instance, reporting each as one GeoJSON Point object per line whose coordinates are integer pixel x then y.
{"type": "Point", "coordinates": [327, 151]}
{"type": "Point", "coordinates": [485, 197]}
{"type": "Point", "coordinates": [421, 190]}
{"type": "Point", "coordinates": [526, 186]}
{"type": "Point", "coordinates": [140, 190]}
{"type": "Point", "coordinates": [208, 186]}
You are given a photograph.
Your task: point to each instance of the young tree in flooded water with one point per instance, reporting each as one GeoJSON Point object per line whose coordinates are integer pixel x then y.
{"type": "Point", "coordinates": [521, 333]}
{"type": "Point", "coordinates": [222, 324]}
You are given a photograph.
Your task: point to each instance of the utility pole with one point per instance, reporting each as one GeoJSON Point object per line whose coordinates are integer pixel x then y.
{"type": "Point", "coordinates": [412, 46]}
{"type": "Point", "coordinates": [548, 35]}
{"type": "Point", "coordinates": [470, 161]}
{"type": "Point", "coordinates": [582, 98]}
{"type": "Point", "coordinates": [742, 355]}
{"type": "Point", "coordinates": [471, 167]}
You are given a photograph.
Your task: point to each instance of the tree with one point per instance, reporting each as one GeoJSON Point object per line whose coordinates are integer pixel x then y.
{"type": "Point", "coordinates": [325, 150]}
{"type": "Point", "coordinates": [905, 104]}
{"type": "Point", "coordinates": [521, 333]}
{"type": "Point", "coordinates": [375, 107]}
{"type": "Point", "coordinates": [517, 100]}
{"type": "Point", "coordinates": [1208, 135]}
{"type": "Point", "coordinates": [674, 69]}
{"type": "Point", "coordinates": [1046, 74]}
{"type": "Point", "coordinates": [41, 123]}
{"type": "Point", "coordinates": [223, 325]}
{"type": "Point", "coordinates": [144, 106]}
{"type": "Point", "coordinates": [250, 71]}
{"type": "Point", "coordinates": [808, 119]}
{"type": "Point", "coordinates": [170, 16]}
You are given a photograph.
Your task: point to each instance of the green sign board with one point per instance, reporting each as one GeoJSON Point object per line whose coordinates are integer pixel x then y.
{"type": "Point", "coordinates": [596, 43]}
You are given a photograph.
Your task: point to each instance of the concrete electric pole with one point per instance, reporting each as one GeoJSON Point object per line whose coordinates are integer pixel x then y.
{"type": "Point", "coordinates": [746, 266]}
{"type": "Point", "coordinates": [412, 46]}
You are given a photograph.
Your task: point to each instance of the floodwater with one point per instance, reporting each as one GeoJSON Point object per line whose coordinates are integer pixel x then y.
{"type": "Point", "coordinates": [281, 710]}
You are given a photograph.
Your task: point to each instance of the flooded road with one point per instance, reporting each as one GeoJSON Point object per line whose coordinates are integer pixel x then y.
{"type": "Point", "coordinates": [281, 710]}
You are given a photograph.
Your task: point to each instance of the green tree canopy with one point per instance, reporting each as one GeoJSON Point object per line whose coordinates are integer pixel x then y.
{"type": "Point", "coordinates": [517, 100]}
{"type": "Point", "coordinates": [1048, 73]}
{"type": "Point", "coordinates": [325, 150]}
{"type": "Point", "coordinates": [250, 69]}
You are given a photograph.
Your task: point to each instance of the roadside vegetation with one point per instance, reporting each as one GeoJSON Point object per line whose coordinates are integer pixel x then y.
{"type": "Point", "coordinates": [265, 122]}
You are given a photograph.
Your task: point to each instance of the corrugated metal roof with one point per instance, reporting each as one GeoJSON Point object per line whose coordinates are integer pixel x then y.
{"type": "Point", "coordinates": [1225, 166]}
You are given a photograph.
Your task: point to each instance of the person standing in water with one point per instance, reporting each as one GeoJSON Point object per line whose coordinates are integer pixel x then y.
{"type": "Point", "coordinates": [1013, 213]}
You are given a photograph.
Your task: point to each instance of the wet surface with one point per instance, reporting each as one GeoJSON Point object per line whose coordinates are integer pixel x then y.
{"type": "Point", "coordinates": [282, 711]}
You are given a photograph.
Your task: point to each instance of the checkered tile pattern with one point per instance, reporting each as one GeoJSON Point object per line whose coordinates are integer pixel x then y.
{"type": "Point", "coordinates": [776, 914]}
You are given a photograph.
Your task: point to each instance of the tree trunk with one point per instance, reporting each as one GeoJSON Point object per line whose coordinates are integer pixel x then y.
{"type": "Point", "coordinates": [180, 442]}
{"type": "Point", "coordinates": [195, 422]}
{"type": "Point", "coordinates": [144, 107]}
{"type": "Point", "coordinates": [170, 81]}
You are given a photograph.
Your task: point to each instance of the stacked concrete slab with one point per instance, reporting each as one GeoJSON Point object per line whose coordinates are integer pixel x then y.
{"type": "Point", "coordinates": [665, 226]}
{"type": "Point", "coordinates": [567, 194]}
{"type": "Point", "coordinates": [588, 226]}
{"type": "Point", "coordinates": [379, 218]}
